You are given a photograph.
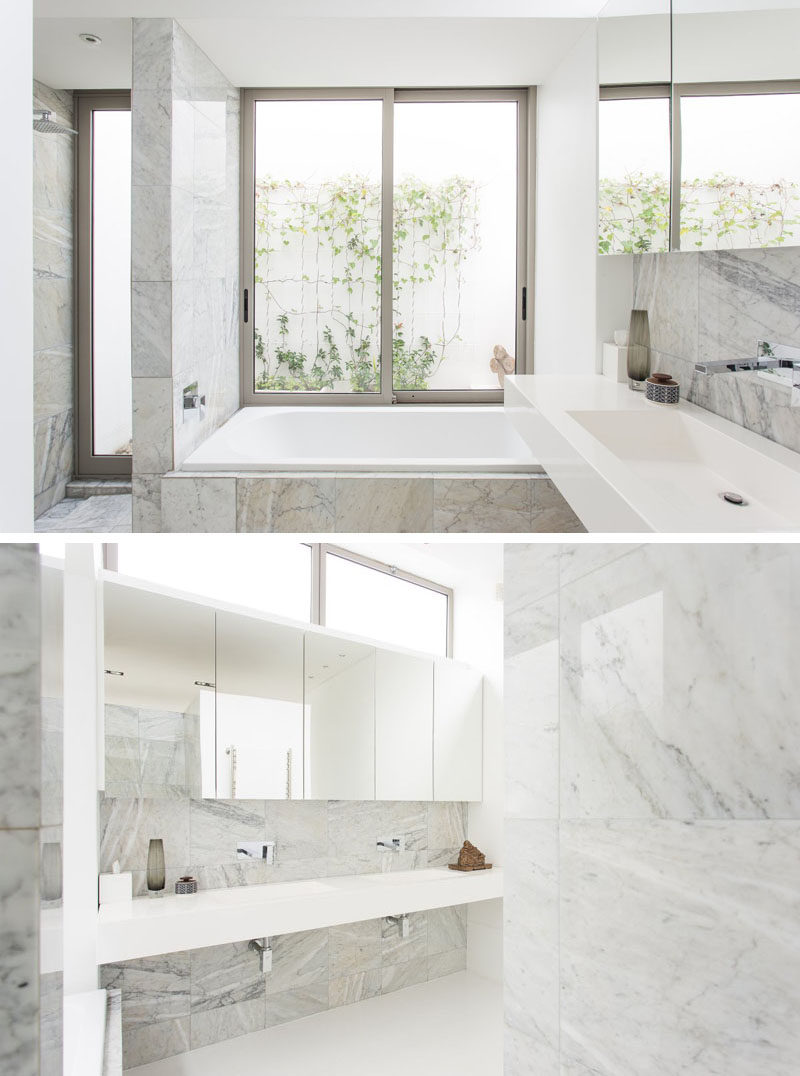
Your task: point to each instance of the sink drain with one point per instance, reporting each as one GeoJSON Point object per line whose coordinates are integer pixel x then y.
{"type": "Point", "coordinates": [733, 498]}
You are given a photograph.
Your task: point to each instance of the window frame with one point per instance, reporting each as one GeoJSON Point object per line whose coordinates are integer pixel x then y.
{"type": "Point", "coordinates": [526, 110]}
{"type": "Point", "coordinates": [88, 463]}
{"type": "Point", "coordinates": [676, 92]}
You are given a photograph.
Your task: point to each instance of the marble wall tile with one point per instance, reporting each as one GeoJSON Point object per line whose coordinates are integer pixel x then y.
{"type": "Point", "coordinates": [155, 1006]}
{"type": "Point", "coordinates": [447, 826]}
{"type": "Point", "coordinates": [151, 147]}
{"type": "Point", "coordinates": [576, 561]}
{"type": "Point", "coordinates": [399, 976]}
{"type": "Point", "coordinates": [501, 505]}
{"type": "Point", "coordinates": [218, 825]}
{"type": "Point", "coordinates": [51, 1046]}
{"type": "Point", "coordinates": [53, 448]}
{"type": "Point", "coordinates": [151, 342]}
{"type": "Point", "coordinates": [227, 1022]}
{"type": "Point", "coordinates": [352, 988]}
{"type": "Point", "coordinates": [530, 572]}
{"type": "Point", "coordinates": [384, 504]}
{"type": "Point", "coordinates": [693, 926]}
{"type": "Point", "coordinates": [285, 505]}
{"type": "Point", "coordinates": [19, 964]}
{"type": "Point", "coordinates": [300, 829]}
{"type": "Point", "coordinates": [19, 687]}
{"type": "Point", "coordinates": [127, 825]}
{"type": "Point", "coordinates": [531, 691]}
{"type": "Point", "coordinates": [198, 505]}
{"type": "Point", "coordinates": [666, 285]}
{"type": "Point", "coordinates": [152, 54]}
{"type": "Point", "coordinates": [447, 963]}
{"type": "Point", "coordinates": [146, 503]}
{"type": "Point", "coordinates": [354, 947]}
{"type": "Point", "coordinates": [151, 248]}
{"type": "Point", "coordinates": [225, 975]}
{"type": "Point", "coordinates": [295, 1004]}
{"type": "Point", "coordinates": [152, 425]}
{"type": "Point", "coordinates": [353, 827]}
{"type": "Point", "coordinates": [51, 797]}
{"type": "Point", "coordinates": [298, 960]}
{"type": "Point", "coordinates": [657, 638]}
{"type": "Point", "coordinates": [531, 949]}
{"type": "Point", "coordinates": [395, 949]}
{"type": "Point", "coordinates": [53, 381]}
{"type": "Point", "coordinates": [447, 929]}
{"type": "Point", "coordinates": [531, 626]}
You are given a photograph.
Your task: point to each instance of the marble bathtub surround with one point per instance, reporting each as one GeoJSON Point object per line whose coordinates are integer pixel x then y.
{"type": "Point", "coordinates": [191, 999]}
{"type": "Point", "coordinates": [53, 203]}
{"type": "Point", "coordinates": [363, 503]}
{"type": "Point", "coordinates": [185, 242]}
{"type": "Point", "coordinates": [652, 809]}
{"type": "Point", "coordinates": [312, 839]}
{"type": "Point", "coordinates": [713, 305]}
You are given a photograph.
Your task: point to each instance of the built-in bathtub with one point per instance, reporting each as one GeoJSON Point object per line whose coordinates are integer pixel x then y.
{"type": "Point", "coordinates": [411, 469]}
{"type": "Point", "coordinates": [407, 438]}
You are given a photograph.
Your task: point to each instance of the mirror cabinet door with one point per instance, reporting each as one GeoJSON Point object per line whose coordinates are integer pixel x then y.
{"type": "Point", "coordinates": [259, 700]}
{"type": "Point", "coordinates": [403, 726]}
{"type": "Point", "coordinates": [457, 732]}
{"type": "Point", "coordinates": [159, 674]}
{"type": "Point", "coordinates": [339, 718]}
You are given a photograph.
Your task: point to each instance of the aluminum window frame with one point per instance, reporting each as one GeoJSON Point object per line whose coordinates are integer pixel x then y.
{"type": "Point", "coordinates": [526, 111]}
{"type": "Point", "coordinates": [88, 463]}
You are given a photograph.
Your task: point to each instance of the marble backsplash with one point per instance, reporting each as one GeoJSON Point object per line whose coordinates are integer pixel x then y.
{"type": "Point", "coordinates": [652, 809]}
{"type": "Point", "coordinates": [53, 202]}
{"type": "Point", "coordinates": [718, 304]}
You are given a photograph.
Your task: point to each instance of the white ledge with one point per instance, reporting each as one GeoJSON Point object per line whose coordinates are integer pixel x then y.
{"type": "Point", "coordinates": [624, 463]}
{"type": "Point", "coordinates": [151, 925]}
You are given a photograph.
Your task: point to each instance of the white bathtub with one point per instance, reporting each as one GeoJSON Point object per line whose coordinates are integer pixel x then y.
{"type": "Point", "coordinates": [401, 438]}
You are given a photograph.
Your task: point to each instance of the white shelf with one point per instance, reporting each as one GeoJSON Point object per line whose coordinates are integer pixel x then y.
{"type": "Point", "coordinates": [149, 926]}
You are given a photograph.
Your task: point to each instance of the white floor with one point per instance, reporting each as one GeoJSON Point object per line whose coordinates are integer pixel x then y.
{"type": "Point", "coordinates": [452, 1025]}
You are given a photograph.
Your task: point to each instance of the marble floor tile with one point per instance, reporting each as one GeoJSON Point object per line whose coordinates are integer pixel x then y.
{"type": "Point", "coordinates": [99, 514]}
{"type": "Point", "coordinates": [679, 947]}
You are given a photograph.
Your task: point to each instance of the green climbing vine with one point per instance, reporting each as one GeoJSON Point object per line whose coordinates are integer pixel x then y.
{"type": "Point", "coordinates": [318, 280]}
{"type": "Point", "coordinates": [720, 212]}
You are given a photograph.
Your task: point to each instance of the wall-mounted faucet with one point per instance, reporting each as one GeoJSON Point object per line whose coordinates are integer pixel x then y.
{"type": "Point", "coordinates": [392, 844]}
{"type": "Point", "coordinates": [264, 950]}
{"type": "Point", "coordinates": [401, 922]}
{"type": "Point", "coordinates": [783, 359]}
{"type": "Point", "coordinates": [256, 850]}
{"type": "Point", "coordinates": [193, 403]}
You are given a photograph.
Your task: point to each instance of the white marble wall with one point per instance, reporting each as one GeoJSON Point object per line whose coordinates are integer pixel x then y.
{"type": "Point", "coordinates": [652, 810]}
{"type": "Point", "coordinates": [53, 201]}
{"type": "Point", "coordinates": [186, 1000]}
{"type": "Point", "coordinates": [717, 305]}
{"type": "Point", "coordinates": [185, 252]}
{"type": "Point", "coordinates": [19, 810]}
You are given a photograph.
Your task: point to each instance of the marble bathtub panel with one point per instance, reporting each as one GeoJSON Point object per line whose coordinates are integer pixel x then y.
{"type": "Point", "coordinates": [151, 339]}
{"type": "Point", "coordinates": [352, 988]}
{"type": "Point", "coordinates": [447, 929]}
{"type": "Point", "coordinates": [53, 455]}
{"type": "Point", "coordinates": [495, 505]}
{"type": "Point", "coordinates": [285, 505]}
{"type": "Point", "coordinates": [299, 828]}
{"type": "Point", "coordinates": [146, 504]}
{"type": "Point", "coordinates": [353, 828]}
{"type": "Point", "coordinates": [151, 137]}
{"type": "Point", "coordinates": [447, 826]}
{"type": "Point", "coordinates": [531, 693]}
{"type": "Point", "coordinates": [218, 825]}
{"type": "Point", "coordinates": [51, 1047]}
{"type": "Point", "coordinates": [227, 1022]}
{"type": "Point", "coordinates": [677, 686]}
{"type": "Point", "coordinates": [399, 976]}
{"type": "Point", "coordinates": [679, 947]}
{"type": "Point", "coordinates": [152, 230]}
{"type": "Point", "coordinates": [127, 826]}
{"type": "Point", "coordinates": [354, 947]}
{"type": "Point", "coordinates": [550, 512]}
{"type": "Point", "coordinates": [225, 975]}
{"type": "Point", "coordinates": [20, 737]}
{"type": "Point", "coordinates": [19, 927]}
{"type": "Point", "coordinates": [295, 1004]}
{"type": "Point", "coordinates": [206, 505]}
{"type": "Point", "coordinates": [298, 961]}
{"type": "Point", "coordinates": [395, 949]}
{"type": "Point", "coordinates": [667, 286]}
{"type": "Point", "coordinates": [52, 380]}
{"type": "Point", "coordinates": [152, 425]}
{"type": "Point", "coordinates": [447, 963]}
{"type": "Point", "coordinates": [152, 54]}
{"type": "Point", "coordinates": [531, 949]}
{"type": "Point", "coordinates": [398, 505]}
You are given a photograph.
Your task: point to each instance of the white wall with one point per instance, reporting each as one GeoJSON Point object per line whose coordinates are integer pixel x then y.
{"type": "Point", "coordinates": [614, 297]}
{"type": "Point", "coordinates": [16, 271]}
{"type": "Point", "coordinates": [565, 327]}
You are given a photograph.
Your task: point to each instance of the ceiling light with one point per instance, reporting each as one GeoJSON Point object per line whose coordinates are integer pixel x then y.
{"type": "Point", "coordinates": [91, 39]}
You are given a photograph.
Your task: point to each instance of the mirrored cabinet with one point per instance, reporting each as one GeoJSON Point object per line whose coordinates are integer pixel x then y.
{"type": "Point", "coordinates": [216, 704]}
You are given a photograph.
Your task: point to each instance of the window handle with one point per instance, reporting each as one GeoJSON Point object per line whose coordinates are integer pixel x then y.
{"type": "Point", "coordinates": [246, 306]}
{"type": "Point", "coordinates": [524, 304]}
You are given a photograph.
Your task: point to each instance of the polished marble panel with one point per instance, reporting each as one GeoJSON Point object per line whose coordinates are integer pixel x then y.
{"type": "Point", "coordinates": [531, 691]}
{"type": "Point", "coordinates": [680, 947]}
{"type": "Point", "coordinates": [198, 505]}
{"type": "Point", "coordinates": [99, 514]}
{"type": "Point", "coordinates": [19, 978]}
{"type": "Point", "coordinates": [218, 825]}
{"type": "Point", "coordinates": [285, 504]}
{"type": "Point", "coordinates": [384, 504]}
{"type": "Point", "coordinates": [151, 341]}
{"type": "Point", "coordinates": [493, 504]}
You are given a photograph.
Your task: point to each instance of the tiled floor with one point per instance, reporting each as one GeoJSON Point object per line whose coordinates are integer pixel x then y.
{"type": "Point", "coordinates": [450, 1025]}
{"type": "Point", "coordinates": [105, 514]}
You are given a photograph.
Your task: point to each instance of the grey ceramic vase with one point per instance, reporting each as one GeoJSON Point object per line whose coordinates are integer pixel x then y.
{"type": "Point", "coordinates": [156, 873]}
{"type": "Point", "coordinates": [638, 350]}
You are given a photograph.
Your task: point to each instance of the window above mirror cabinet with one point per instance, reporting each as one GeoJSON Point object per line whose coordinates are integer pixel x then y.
{"type": "Point", "coordinates": [208, 702]}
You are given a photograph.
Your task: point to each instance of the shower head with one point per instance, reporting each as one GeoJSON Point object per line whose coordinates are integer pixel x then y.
{"type": "Point", "coordinates": [42, 122]}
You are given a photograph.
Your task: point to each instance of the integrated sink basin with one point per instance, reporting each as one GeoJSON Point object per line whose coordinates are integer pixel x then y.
{"type": "Point", "coordinates": [627, 464]}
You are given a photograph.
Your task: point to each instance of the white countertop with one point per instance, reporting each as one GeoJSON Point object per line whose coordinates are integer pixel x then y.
{"type": "Point", "coordinates": [626, 464]}
{"type": "Point", "coordinates": [152, 925]}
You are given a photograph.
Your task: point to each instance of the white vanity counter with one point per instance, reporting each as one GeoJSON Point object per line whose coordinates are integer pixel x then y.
{"type": "Point", "coordinates": [626, 464]}
{"type": "Point", "coordinates": [152, 925]}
